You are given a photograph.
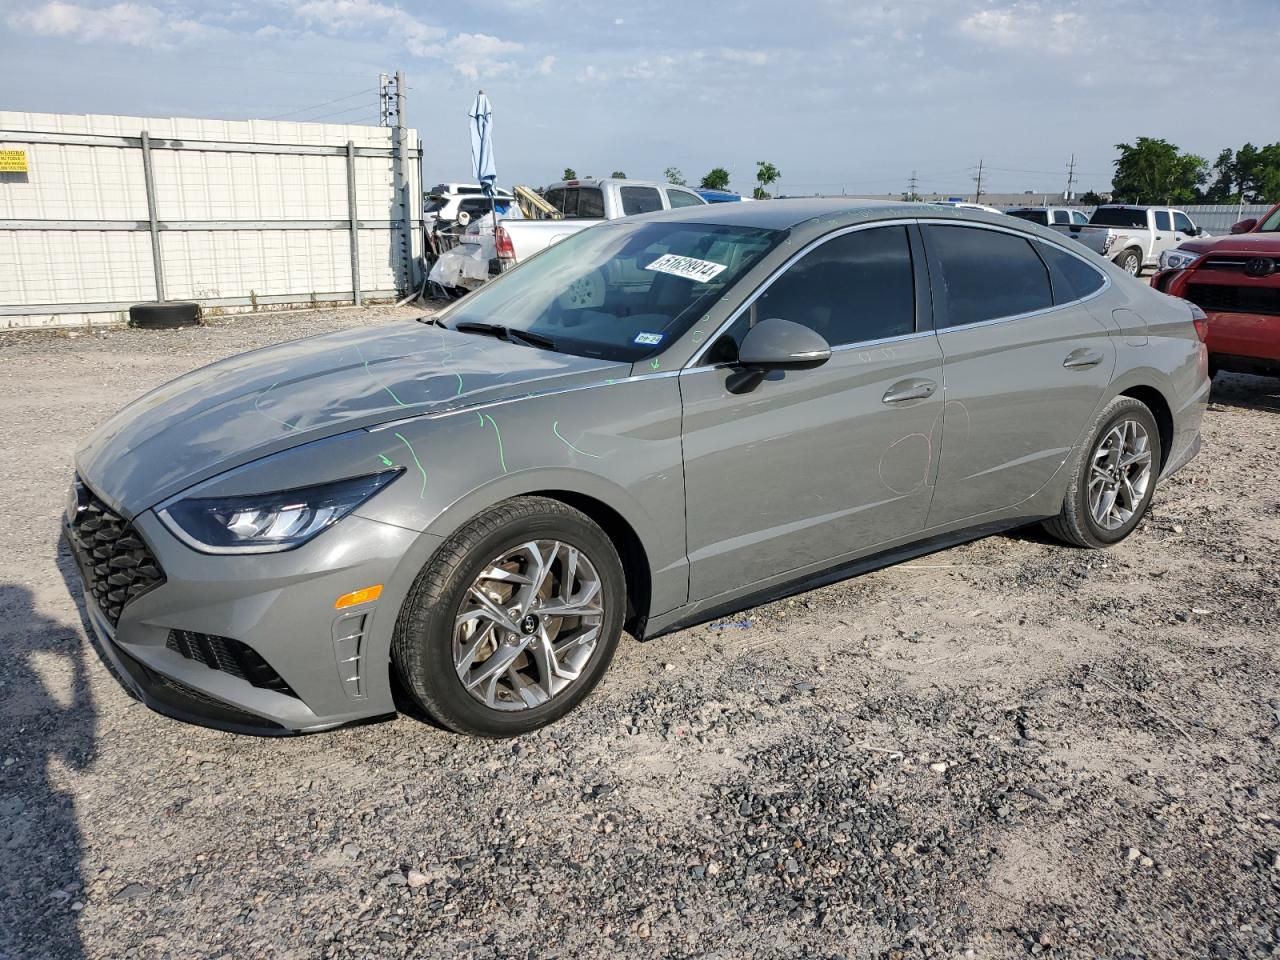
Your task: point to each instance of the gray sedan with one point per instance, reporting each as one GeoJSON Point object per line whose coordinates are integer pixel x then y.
{"type": "Point", "coordinates": [655, 422]}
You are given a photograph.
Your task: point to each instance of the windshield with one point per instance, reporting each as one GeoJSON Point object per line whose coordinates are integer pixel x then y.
{"type": "Point", "coordinates": [1271, 224]}
{"type": "Point", "coordinates": [620, 291]}
{"type": "Point", "coordinates": [1118, 217]}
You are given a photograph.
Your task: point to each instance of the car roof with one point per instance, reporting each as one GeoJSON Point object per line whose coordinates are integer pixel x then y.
{"type": "Point", "coordinates": [790, 213]}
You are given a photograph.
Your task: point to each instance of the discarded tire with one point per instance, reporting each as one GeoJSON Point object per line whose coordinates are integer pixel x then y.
{"type": "Point", "coordinates": [164, 316]}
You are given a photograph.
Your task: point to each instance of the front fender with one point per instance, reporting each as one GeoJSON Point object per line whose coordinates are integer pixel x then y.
{"type": "Point", "coordinates": [617, 443]}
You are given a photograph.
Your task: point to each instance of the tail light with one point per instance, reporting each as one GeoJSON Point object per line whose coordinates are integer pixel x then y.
{"type": "Point", "coordinates": [502, 241]}
{"type": "Point", "coordinates": [1200, 320]}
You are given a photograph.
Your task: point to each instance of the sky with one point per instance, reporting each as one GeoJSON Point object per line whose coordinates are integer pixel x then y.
{"type": "Point", "coordinates": [840, 95]}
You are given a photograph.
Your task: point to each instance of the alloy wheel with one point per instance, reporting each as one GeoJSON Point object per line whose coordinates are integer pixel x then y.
{"type": "Point", "coordinates": [1119, 474]}
{"type": "Point", "coordinates": [528, 626]}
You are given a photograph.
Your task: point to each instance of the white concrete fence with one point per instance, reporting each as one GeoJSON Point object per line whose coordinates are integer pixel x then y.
{"type": "Point", "coordinates": [237, 215]}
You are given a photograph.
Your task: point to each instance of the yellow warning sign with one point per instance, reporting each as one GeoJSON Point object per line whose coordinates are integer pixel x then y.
{"type": "Point", "coordinates": [13, 161]}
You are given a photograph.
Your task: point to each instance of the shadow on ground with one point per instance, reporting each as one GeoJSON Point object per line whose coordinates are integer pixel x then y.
{"type": "Point", "coordinates": [47, 728]}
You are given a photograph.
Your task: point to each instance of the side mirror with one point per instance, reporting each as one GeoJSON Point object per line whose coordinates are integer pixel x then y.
{"type": "Point", "coordinates": [776, 344]}
{"type": "Point", "coordinates": [1244, 226]}
{"type": "Point", "coordinates": [1192, 231]}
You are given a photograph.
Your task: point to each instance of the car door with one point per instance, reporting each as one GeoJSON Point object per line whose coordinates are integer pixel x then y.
{"type": "Point", "coordinates": [1162, 235]}
{"type": "Point", "coordinates": [1183, 228]}
{"type": "Point", "coordinates": [815, 464]}
{"type": "Point", "coordinates": [1025, 363]}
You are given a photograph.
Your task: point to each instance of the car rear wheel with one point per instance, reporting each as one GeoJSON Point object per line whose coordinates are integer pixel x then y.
{"type": "Point", "coordinates": [514, 620]}
{"type": "Point", "coordinates": [1113, 479]}
{"type": "Point", "coordinates": [1130, 262]}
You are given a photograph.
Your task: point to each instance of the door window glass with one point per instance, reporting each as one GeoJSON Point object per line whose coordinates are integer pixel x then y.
{"type": "Point", "coordinates": [1078, 217]}
{"type": "Point", "coordinates": [556, 198]}
{"type": "Point", "coordinates": [682, 198]}
{"type": "Point", "coordinates": [851, 289]}
{"type": "Point", "coordinates": [1060, 216]}
{"type": "Point", "coordinates": [1182, 223]}
{"type": "Point", "coordinates": [1162, 220]}
{"type": "Point", "coordinates": [986, 275]}
{"type": "Point", "coordinates": [1073, 279]}
{"type": "Point", "coordinates": [639, 200]}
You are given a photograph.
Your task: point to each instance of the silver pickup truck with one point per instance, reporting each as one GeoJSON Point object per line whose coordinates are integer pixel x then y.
{"type": "Point", "coordinates": [584, 203]}
{"type": "Point", "coordinates": [1133, 236]}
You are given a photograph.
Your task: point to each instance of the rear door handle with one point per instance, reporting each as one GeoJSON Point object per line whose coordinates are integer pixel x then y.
{"type": "Point", "coordinates": [909, 390]}
{"type": "Point", "coordinates": [1084, 357]}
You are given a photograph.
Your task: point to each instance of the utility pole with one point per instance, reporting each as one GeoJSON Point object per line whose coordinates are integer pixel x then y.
{"type": "Point", "coordinates": [977, 196]}
{"type": "Point", "coordinates": [386, 108]}
{"type": "Point", "coordinates": [1071, 178]}
{"type": "Point", "coordinates": [912, 192]}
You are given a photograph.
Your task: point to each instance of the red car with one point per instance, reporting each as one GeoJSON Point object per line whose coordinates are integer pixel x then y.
{"type": "Point", "coordinates": [1235, 280]}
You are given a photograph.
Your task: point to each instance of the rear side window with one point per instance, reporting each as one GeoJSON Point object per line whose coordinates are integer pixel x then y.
{"type": "Point", "coordinates": [1061, 216]}
{"type": "Point", "coordinates": [986, 275]}
{"type": "Point", "coordinates": [1073, 279]}
{"type": "Point", "coordinates": [682, 198]}
{"type": "Point", "coordinates": [851, 289]}
{"type": "Point", "coordinates": [639, 200]}
{"type": "Point", "coordinates": [1162, 220]}
{"type": "Point", "coordinates": [1034, 216]}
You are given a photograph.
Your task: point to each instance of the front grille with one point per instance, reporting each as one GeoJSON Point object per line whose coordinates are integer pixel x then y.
{"type": "Point", "coordinates": [117, 564]}
{"type": "Point", "coordinates": [229, 656]}
{"type": "Point", "coordinates": [1221, 298]}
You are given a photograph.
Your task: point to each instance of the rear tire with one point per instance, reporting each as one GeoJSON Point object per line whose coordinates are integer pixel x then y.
{"type": "Point", "coordinates": [520, 564]}
{"type": "Point", "coordinates": [1130, 261]}
{"type": "Point", "coordinates": [1113, 477]}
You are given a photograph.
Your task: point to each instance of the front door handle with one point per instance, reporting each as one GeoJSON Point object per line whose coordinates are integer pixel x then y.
{"type": "Point", "coordinates": [1084, 357]}
{"type": "Point", "coordinates": [909, 390]}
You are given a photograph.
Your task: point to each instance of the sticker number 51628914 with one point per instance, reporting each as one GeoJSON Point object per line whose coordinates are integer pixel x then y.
{"type": "Point", "coordinates": [690, 268]}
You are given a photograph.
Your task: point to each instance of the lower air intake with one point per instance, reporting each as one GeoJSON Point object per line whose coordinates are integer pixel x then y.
{"type": "Point", "coordinates": [229, 656]}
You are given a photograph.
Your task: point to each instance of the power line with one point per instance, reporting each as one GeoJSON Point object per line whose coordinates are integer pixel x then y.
{"type": "Point", "coordinates": [317, 106]}
{"type": "Point", "coordinates": [362, 108]}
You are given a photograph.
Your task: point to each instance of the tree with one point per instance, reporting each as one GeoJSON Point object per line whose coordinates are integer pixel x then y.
{"type": "Point", "coordinates": [717, 179]}
{"type": "Point", "coordinates": [1223, 189]}
{"type": "Point", "coordinates": [1258, 172]}
{"type": "Point", "coordinates": [1091, 199]}
{"type": "Point", "coordinates": [618, 175]}
{"type": "Point", "coordinates": [674, 176]}
{"type": "Point", "coordinates": [569, 174]}
{"type": "Point", "coordinates": [1156, 171]}
{"type": "Point", "coordinates": [766, 173]}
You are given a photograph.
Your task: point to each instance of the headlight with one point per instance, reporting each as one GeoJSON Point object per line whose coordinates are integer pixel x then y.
{"type": "Point", "coordinates": [1177, 259]}
{"type": "Point", "coordinates": [267, 522]}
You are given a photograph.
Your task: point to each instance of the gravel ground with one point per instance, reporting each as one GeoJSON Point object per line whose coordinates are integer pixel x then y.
{"type": "Point", "coordinates": [1009, 748]}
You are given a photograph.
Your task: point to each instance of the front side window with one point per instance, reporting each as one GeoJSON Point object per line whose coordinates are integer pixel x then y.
{"type": "Point", "coordinates": [986, 275]}
{"type": "Point", "coordinates": [1271, 224]}
{"type": "Point", "coordinates": [683, 198]}
{"type": "Point", "coordinates": [621, 290]}
{"type": "Point", "coordinates": [1182, 223]}
{"type": "Point", "coordinates": [1078, 218]}
{"type": "Point", "coordinates": [639, 200]}
{"type": "Point", "coordinates": [851, 289]}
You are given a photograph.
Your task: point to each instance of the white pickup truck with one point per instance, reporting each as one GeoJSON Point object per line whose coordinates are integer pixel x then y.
{"type": "Point", "coordinates": [584, 203]}
{"type": "Point", "coordinates": [1132, 236]}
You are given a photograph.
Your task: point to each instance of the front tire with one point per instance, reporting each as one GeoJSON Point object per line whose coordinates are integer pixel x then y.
{"type": "Point", "coordinates": [1113, 478]}
{"type": "Point", "coordinates": [513, 621]}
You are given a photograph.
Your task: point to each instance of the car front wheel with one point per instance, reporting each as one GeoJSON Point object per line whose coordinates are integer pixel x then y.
{"type": "Point", "coordinates": [1113, 479]}
{"type": "Point", "coordinates": [514, 620]}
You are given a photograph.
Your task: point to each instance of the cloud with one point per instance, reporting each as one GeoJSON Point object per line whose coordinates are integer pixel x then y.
{"type": "Point", "coordinates": [1024, 25]}
{"type": "Point", "coordinates": [753, 58]}
{"type": "Point", "coordinates": [129, 23]}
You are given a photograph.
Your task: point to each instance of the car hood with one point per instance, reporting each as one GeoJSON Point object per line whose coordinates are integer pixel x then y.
{"type": "Point", "coordinates": [259, 403]}
{"type": "Point", "coordinates": [1257, 244]}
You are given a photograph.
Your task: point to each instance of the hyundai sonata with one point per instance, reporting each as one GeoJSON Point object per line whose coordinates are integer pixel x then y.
{"type": "Point", "coordinates": [652, 423]}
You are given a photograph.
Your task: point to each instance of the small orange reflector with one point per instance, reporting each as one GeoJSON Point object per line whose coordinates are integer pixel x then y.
{"type": "Point", "coordinates": [365, 595]}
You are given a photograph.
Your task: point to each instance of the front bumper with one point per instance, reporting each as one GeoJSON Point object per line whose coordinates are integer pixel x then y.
{"type": "Point", "coordinates": [334, 663]}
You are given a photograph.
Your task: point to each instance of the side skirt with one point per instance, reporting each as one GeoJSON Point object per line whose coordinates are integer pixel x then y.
{"type": "Point", "coordinates": [694, 614]}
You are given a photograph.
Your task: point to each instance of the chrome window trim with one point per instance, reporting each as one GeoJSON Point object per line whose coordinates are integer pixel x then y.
{"type": "Point", "coordinates": [693, 363]}
{"type": "Point", "coordinates": [1106, 279]}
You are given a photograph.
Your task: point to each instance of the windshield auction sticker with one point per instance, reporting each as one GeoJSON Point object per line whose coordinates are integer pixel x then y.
{"type": "Point", "coordinates": [700, 271]}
